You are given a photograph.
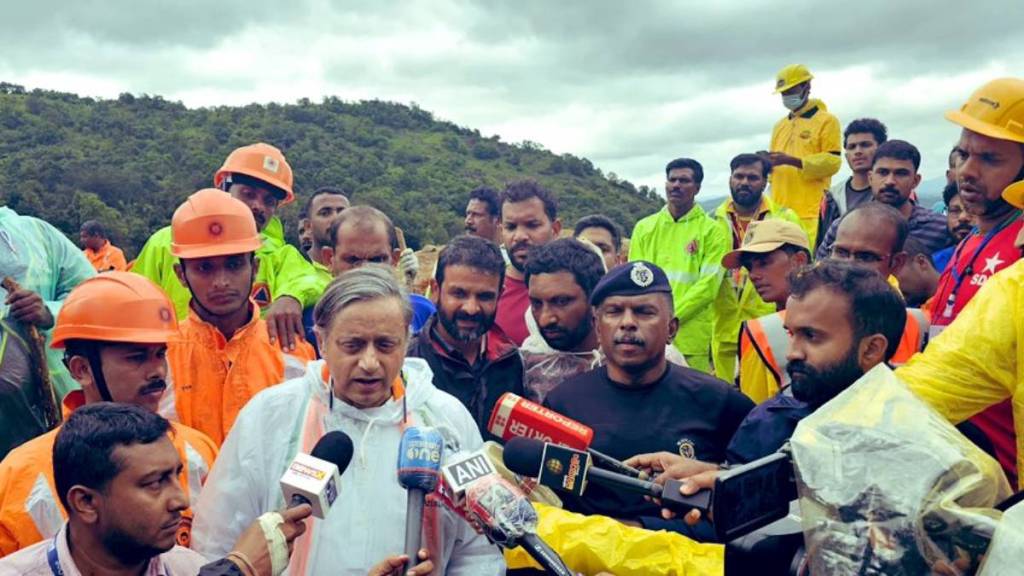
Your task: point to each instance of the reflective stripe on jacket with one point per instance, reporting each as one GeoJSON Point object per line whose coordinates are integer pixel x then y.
{"type": "Point", "coordinates": [690, 252]}
{"type": "Point", "coordinates": [213, 378]}
{"type": "Point", "coordinates": [30, 510]}
{"type": "Point", "coordinates": [283, 271]}
{"type": "Point", "coordinates": [764, 344]}
{"type": "Point", "coordinates": [811, 134]}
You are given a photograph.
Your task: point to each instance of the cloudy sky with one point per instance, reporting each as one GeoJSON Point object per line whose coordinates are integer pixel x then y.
{"type": "Point", "coordinates": [629, 85]}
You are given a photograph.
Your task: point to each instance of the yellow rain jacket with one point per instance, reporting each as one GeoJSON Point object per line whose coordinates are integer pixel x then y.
{"type": "Point", "coordinates": [811, 134]}
{"type": "Point", "coordinates": [737, 301]}
{"type": "Point", "coordinates": [690, 252]}
{"type": "Point", "coordinates": [978, 360]}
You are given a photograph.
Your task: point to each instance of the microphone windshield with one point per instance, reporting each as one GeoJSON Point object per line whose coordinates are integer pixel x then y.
{"type": "Point", "coordinates": [334, 447]}
{"type": "Point", "coordinates": [501, 509]}
{"type": "Point", "coordinates": [523, 456]}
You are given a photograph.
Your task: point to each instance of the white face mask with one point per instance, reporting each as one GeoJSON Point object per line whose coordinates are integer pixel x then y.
{"type": "Point", "coordinates": [793, 101]}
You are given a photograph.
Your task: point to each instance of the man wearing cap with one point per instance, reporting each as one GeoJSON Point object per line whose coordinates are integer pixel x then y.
{"type": "Point", "coordinates": [113, 330]}
{"type": "Point", "coordinates": [806, 149]}
{"type": "Point", "coordinates": [871, 236]}
{"type": "Point", "coordinates": [259, 176]}
{"type": "Point", "coordinates": [688, 245]}
{"type": "Point", "coordinates": [639, 402]}
{"type": "Point", "coordinates": [737, 300]}
{"type": "Point", "coordinates": [222, 355]}
{"type": "Point", "coordinates": [973, 365]}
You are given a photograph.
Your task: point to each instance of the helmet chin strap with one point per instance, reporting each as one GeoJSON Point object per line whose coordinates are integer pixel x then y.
{"type": "Point", "coordinates": [91, 352]}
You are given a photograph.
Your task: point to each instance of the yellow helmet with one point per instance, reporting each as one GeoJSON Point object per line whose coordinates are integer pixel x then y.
{"type": "Point", "coordinates": [995, 110]}
{"type": "Point", "coordinates": [791, 76]}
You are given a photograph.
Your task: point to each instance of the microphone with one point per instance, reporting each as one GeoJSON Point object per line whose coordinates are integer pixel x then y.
{"type": "Point", "coordinates": [314, 478]}
{"type": "Point", "coordinates": [515, 416]}
{"type": "Point", "coordinates": [419, 463]}
{"type": "Point", "coordinates": [509, 520]}
{"type": "Point", "coordinates": [569, 470]}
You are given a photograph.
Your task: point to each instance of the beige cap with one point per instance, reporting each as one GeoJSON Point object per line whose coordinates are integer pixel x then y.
{"type": "Point", "coordinates": [765, 236]}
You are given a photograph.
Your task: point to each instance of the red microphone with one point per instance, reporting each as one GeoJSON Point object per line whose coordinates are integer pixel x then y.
{"type": "Point", "coordinates": [517, 417]}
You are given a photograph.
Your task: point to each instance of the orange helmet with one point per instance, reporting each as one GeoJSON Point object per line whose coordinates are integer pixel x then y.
{"type": "Point", "coordinates": [212, 223]}
{"type": "Point", "coordinates": [260, 161]}
{"type": "Point", "coordinates": [116, 307]}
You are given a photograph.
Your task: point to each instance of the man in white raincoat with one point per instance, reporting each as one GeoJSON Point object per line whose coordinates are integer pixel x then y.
{"type": "Point", "coordinates": [366, 388]}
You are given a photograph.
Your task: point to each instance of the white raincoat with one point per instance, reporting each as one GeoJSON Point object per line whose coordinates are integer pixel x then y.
{"type": "Point", "coordinates": [367, 522]}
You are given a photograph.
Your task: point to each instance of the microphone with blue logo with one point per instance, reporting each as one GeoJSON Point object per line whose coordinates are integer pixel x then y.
{"type": "Point", "coordinates": [419, 465]}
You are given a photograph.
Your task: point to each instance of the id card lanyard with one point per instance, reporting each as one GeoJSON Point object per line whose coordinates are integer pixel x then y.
{"type": "Point", "coordinates": [958, 278]}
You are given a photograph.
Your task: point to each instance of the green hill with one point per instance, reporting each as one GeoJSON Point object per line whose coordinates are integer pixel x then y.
{"type": "Point", "coordinates": [129, 162]}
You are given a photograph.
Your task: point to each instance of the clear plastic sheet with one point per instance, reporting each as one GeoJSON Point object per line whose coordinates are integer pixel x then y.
{"type": "Point", "coordinates": [888, 486]}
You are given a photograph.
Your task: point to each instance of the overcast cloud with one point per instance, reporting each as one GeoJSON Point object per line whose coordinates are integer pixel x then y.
{"type": "Point", "coordinates": [629, 85]}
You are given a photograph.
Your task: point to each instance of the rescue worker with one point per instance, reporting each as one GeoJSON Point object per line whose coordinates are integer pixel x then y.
{"type": "Point", "coordinates": [114, 330]}
{"type": "Point", "coordinates": [367, 388]}
{"type": "Point", "coordinates": [529, 218]}
{"type": "Point", "coordinates": [918, 279]}
{"type": "Point", "coordinates": [46, 266]}
{"type": "Point", "coordinates": [737, 300]}
{"type": "Point", "coordinates": [260, 176]}
{"type": "Point", "coordinates": [971, 367]}
{"type": "Point", "coordinates": [894, 176]}
{"type": "Point", "coordinates": [681, 409]}
{"type": "Point", "coordinates": [103, 255]}
{"type": "Point", "coordinates": [222, 354]}
{"type": "Point", "coordinates": [606, 235]}
{"type": "Point", "coordinates": [860, 140]}
{"type": "Point", "coordinates": [471, 358]}
{"type": "Point", "coordinates": [688, 244]}
{"type": "Point", "coordinates": [805, 148]}
{"type": "Point", "coordinates": [872, 236]}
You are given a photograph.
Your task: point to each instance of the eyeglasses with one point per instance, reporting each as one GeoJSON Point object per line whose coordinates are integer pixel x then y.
{"type": "Point", "coordinates": [860, 256]}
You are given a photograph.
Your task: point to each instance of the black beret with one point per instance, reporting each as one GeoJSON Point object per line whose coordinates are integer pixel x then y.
{"type": "Point", "coordinates": [631, 279]}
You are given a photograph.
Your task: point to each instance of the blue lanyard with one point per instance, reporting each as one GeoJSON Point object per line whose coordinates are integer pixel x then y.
{"type": "Point", "coordinates": [51, 557]}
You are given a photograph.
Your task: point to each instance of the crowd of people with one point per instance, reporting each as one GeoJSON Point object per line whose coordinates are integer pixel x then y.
{"type": "Point", "coordinates": [187, 380]}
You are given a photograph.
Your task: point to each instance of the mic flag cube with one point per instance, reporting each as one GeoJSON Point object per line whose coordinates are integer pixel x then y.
{"type": "Point", "coordinates": [419, 458]}
{"type": "Point", "coordinates": [514, 416]}
{"type": "Point", "coordinates": [312, 480]}
{"type": "Point", "coordinates": [564, 469]}
{"type": "Point", "coordinates": [460, 474]}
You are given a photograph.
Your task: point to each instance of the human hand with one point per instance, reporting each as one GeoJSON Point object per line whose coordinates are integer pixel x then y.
{"type": "Point", "coordinates": [696, 476]}
{"type": "Point", "coordinates": [253, 545]}
{"type": "Point", "coordinates": [28, 307]}
{"type": "Point", "coordinates": [408, 265]}
{"type": "Point", "coordinates": [395, 565]}
{"type": "Point", "coordinates": [284, 322]}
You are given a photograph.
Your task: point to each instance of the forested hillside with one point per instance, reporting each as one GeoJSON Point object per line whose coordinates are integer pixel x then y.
{"type": "Point", "coordinates": [129, 162]}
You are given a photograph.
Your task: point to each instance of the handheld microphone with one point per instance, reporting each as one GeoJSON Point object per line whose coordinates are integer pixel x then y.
{"type": "Point", "coordinates": [314, 478]}
{"type": "Point", "coordinates": [515, 416]}
{"type": "Point", "coordinates": [569, 470]}
{"type": "Point", "coordinates": [419, 463]}
{"type": "Point", "coordinates": [509, 520]}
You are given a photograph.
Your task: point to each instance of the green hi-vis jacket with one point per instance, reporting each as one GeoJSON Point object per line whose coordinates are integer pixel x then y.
{"type": "Point", "coordinates": [283, 271]}
{"type": "Point", "coordinates": [690, 252]}
{"type": "Point", "coordinates": [737, 301]}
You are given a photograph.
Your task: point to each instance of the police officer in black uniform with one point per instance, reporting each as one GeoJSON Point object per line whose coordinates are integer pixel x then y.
{"type": "Point", "coordinates": [640, 403]}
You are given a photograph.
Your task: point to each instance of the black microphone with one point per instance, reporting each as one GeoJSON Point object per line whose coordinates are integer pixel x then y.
{"type": "Point", "coordinates": [314, 479]}
{"type": "Point", "coordinates": [569, 470]}
{"type": "Point", "coordinates": [509, 520]}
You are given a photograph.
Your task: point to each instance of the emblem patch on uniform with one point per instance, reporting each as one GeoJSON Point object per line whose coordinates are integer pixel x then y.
{"type": "Point", "coordinates": [261, 294]}
{"type": "Point", "coordinates": [692, 247]}
{"type": "Point", "coordinates": [805, 134]}
{"type": "Point", "coordinates": [216, 229]}
{"type": "Point", "coordinates": [686, 448]}
{"type": "Point", "coordinates": [641, 275]}
{"type": "Point", "coordinates": [270, 164]}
